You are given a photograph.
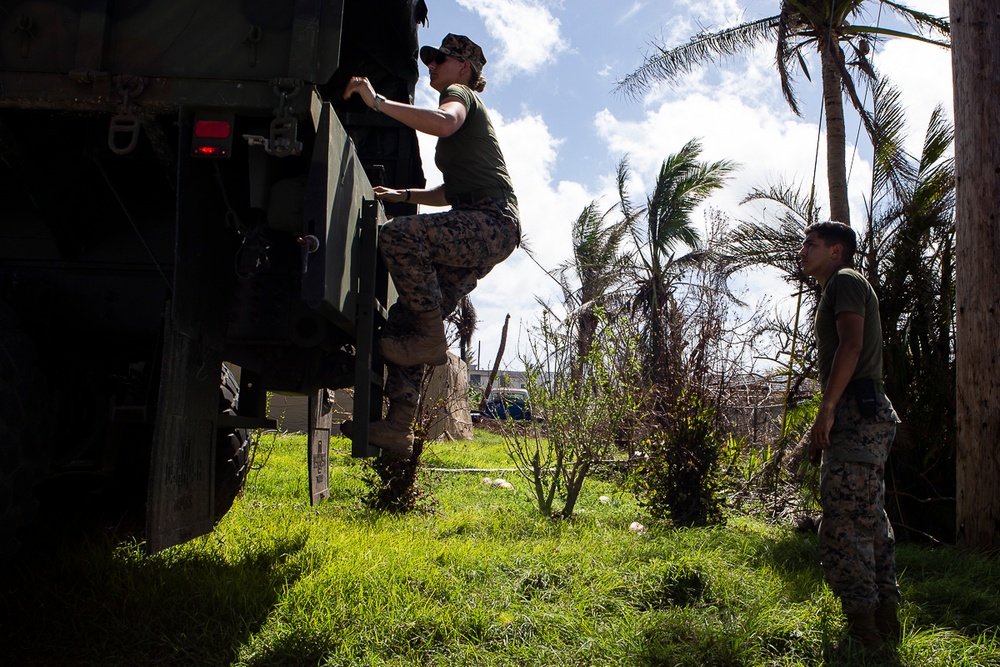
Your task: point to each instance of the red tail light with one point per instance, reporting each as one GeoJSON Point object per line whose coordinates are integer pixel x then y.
{"type": "Point", "coordinates": [212, 134]}
{"type": "Point", "coordinates": [211, 151]}
{"type": "Point", "coordinates": [212, 129]}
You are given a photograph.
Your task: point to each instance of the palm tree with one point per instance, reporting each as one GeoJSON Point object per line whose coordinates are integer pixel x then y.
{"type": "Point", "coordinates": [823, 24]}
{"type": "Point", "coordinates": [596, 265]}
{"type": "Point", "coordinates": [658, 230]}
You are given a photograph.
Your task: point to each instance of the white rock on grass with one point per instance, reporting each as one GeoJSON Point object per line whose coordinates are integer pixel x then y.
{"type": "Point", "coordinates": [606, 500]}
{"type": "Point", "coordinates": [637, 528]}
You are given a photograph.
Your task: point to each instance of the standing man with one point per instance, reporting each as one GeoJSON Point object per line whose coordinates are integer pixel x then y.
{"type": "Point", "coordinates": [852, 435]}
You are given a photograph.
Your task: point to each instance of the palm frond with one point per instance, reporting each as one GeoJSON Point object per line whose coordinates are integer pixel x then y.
{"type": "Point", "coordinates": [621, 180]}
{"type": "Point", "coordinates": [782, 59]}
{"type": "Point", "coordinates": [877, 31]}
{"type": "Point", "coordinates": [758, 243]}
{"type": "Point", "coordinates": [682, 184]}
{"type": "Point", "coordinates": [893, 169]}
{"type": "Point", "coordinates": [669, 64]}
{"type": "Point", "coordinates": [596, 254]}
{"type": "Point", "coordinates": [938, 140]}
{"type": "Point", "coordinates": [790, 198]}
{"type": "Point", "coordinates": [918, 19]}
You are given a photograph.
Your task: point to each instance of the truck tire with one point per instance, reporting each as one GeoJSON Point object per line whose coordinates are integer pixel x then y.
{"type": "Point", "coordinates": [24, 431]}
{"type": "Point", "coordinates": [232, 451]}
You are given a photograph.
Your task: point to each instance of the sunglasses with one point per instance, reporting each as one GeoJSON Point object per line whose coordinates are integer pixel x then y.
{"type": "Point", "coordinates": [441, 57]}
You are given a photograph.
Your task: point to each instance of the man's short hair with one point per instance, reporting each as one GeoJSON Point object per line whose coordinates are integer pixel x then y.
{"type": "Point", "coordinates": [831, 233]}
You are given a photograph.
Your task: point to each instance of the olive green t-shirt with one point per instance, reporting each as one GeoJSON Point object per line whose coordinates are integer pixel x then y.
{"type": "Point", "coordinates": [470, 159]}
{"type": "Point", "coordinates": [848, 291]}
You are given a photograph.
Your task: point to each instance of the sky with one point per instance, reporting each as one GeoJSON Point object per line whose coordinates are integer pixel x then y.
{"type": "Point", "coordinates": [551, 70]}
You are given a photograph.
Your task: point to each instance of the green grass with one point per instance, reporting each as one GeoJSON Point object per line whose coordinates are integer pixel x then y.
{"type": "Point", "coordinates": [479, 580]}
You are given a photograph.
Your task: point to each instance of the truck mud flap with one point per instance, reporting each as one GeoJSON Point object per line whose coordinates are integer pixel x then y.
{"type": "Point", "coordinates": [320, 425]}
{"type": "Point", "coordinates": [182, 471]}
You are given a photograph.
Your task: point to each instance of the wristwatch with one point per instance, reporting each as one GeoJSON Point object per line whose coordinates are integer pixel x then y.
{"type": "Point", "coordinates": [377, 104]}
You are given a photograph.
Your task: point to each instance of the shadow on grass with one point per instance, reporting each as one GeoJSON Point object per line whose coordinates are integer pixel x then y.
{"type": "Point", "coordinates": [948, 587]}
{"type": "Point", "coordinates": [942, 586]}
{"type": "Point", "coordinates": [98, 600]}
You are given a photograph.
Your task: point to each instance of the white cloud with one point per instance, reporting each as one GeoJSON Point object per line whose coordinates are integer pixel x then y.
{"type": "Point", "coordinates": [771, 145]}
{"type": "Point", "coordinates": [529, 34]}
{"type": "Point", "coordinates": [547, 210]}
{"type": "Point", "coordinates": [933, 7]}
{"type": "Point", "coordinates": [922, 72]}
{"type": "Point", "coordinates": [690, 17]}
{"type": "Point", "coordinates": [632, 11]}
{"type": "Point", "coordinates": [712, 14]}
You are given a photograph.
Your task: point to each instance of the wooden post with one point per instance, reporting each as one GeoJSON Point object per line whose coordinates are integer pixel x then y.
{"type": "Point", "coordinates": [975, 26]}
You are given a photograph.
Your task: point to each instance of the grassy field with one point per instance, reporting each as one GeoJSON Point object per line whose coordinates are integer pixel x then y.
{"type": "Point", "coordinates": [480, 579]}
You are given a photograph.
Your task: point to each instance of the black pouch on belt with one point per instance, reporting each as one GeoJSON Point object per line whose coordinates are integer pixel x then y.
{"type": "Point", "coordinates": [864, 394]}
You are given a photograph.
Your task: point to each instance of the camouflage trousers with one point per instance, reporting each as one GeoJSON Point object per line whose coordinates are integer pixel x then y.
{"type": "Point", "coordinates": [435, 260]}
{"type": "Point", "coordinates": [856, 541]}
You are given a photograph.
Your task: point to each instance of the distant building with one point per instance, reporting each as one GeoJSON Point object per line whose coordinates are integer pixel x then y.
{"type": "Point", "coordinates": [512, 379]}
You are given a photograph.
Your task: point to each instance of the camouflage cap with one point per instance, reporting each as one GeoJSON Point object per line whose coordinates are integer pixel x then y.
{"type": "Point", "coordinates": [459, 46]}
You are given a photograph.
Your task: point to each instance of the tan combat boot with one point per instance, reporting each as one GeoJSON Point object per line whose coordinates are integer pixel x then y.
{"type": "Point", "coordinates": [426, 345]}
{"type": "Point", "coordinates": [887, 622]}
{"type": "Point", "coordinates": [394, 434]}
{"type": "Point", "coordinates": [861, 629]}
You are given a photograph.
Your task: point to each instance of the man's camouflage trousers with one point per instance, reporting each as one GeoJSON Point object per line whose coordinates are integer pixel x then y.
{"type": "Point", "coordinates": [856, 541]}
{"type": "Point", "coordinates": [435, 260]}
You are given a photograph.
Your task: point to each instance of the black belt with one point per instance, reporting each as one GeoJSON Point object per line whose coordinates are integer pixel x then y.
{"type": "Point", "coordinates": [473, 196]}
{"type": "Point", "coordinates": [859, 384]}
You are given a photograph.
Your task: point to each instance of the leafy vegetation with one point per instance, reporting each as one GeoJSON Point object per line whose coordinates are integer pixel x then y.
{"type": "Point", "coordinates": [679, 475]}
{"type": "Point", "coordinates": [484, 580]}
{"type": "Point", "coordinates": [586, 404]}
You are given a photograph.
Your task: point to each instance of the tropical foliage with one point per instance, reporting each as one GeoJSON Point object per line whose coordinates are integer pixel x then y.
{"type": "Point", "coordinates": [827, 26]}
{"type": "Point", "coordinates": [665, 245]}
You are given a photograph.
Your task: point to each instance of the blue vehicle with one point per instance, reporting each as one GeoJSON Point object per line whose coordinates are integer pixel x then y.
{"type": "Point", "coordinates": [508, 404]}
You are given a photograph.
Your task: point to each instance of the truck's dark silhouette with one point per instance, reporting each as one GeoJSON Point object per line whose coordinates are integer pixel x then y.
{"type": "Point", "coordinates": [183, 185]}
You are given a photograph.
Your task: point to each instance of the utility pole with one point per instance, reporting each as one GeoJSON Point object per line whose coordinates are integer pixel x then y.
{"type": "Point", "coordinates": [975, 33]}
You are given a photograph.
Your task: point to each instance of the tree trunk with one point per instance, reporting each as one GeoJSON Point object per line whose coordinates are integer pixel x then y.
{"type": "Point", "coordinates": [496, 365]}
{"type": "Point", "coordinates": [836, 135]}
{"type": "Point", "coordinates": [975, 30]}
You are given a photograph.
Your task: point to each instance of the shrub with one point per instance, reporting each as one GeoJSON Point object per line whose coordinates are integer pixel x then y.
{"type": "Point", "coordinates": [678, 477]}
{"type": "Point", "coordinates": [586, 404]}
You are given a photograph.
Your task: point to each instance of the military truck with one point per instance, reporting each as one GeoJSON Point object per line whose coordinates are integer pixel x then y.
{"type": "Point", "coordinates": [187, 224]}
